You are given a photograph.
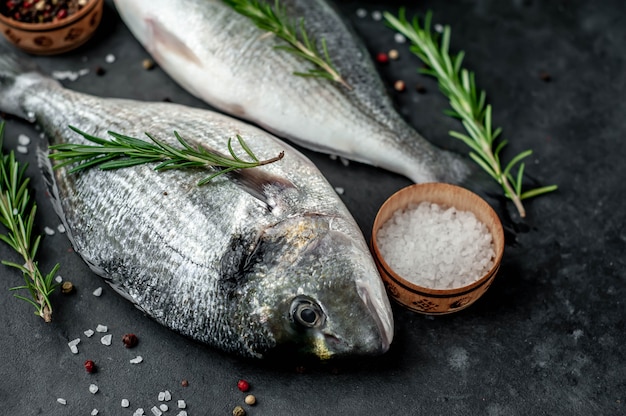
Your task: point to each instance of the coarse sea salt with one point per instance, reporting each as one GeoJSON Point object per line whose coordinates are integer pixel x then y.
{"type": "Point", "coordinates": [156, 411]}
{"type": "Point", "coordinates": [436, 247]}
{"type": "Point", "coordinates": [93, 389]}
{"type": "Point", "coordinates": [182, 404]}
{"type": "Point", "coordinates": [98, 292]}
{"type": "Point", "coordinates": [89, 333]}
{"type": "Point", "coordinates": [139, 412]}
{"type": "Point", "coordinates": [164, 407]}
{"type": "Point", "coordinates": [182, 413]}
{"type": "Point", "coordinates": [23, 140]}
{"type": "Point", "coordinates": [136, 360]}
{"type": "Point", "coordinates": [106, 340]}
{"type": "Point", "coordinates": [102, 328]}
{"type": "Point", "coordinates": [94, 412]}
{"type": "Point", "coordinates": [125, 403]}
{"type": "Point", "coordinates": [61, 400]}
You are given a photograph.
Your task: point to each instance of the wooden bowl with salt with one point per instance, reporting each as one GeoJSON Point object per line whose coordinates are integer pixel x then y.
{"type": "Point", "coordinates": [425, 263]}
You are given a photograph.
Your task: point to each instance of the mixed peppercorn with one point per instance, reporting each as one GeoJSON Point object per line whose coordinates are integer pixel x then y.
{"type": "Point", "coordinates": [40, 11]}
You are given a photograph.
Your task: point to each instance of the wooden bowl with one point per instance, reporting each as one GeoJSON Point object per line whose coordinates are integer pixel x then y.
{"type": "Point", "coordinates": [423, 299]}
{"type": "Point", "coordinates": [54, 37]}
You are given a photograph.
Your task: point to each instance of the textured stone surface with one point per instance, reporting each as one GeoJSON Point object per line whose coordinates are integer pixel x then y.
{"type": "Point", "coordinates": [547, 338]}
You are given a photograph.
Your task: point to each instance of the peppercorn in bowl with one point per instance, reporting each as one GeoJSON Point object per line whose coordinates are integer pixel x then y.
{"type": "Point", "coordinates": [49, 27]}
{"type": "Point", "coordinates": [438, 247]}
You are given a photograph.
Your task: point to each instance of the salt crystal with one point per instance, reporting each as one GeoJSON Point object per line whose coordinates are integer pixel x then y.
{"type": "Point", "coordinates": [89, 333]}
{"type": "Point", "coordinates": [23, 139]}
{"type": "Point", "coordinates": [110, 58]}
{"type": "Point", "coordinates": [376, 15]}
{"type": "Point", "coordinates": [339, 190]}
{"type": "Point", "coordinates": [48, 230]}
{"type": "Point", "coordinates": [74, 342]}
{"type": "Point", "coordinates": [344, 161]}
{"type": "Point", "coordinates": [436, 247]}
{"type": "Point", "coordinates": [93, 389]}
{"type": "Point", "coordinates": [106, 340]}
{"type": "Point", "coordinates": [62, 400]}
{"type": "Point", "coordinates": [58, 279]}
{"type": "Point", "coordinates": [167, 396]}
{"type": "Point", "coordinates": [94, 412]}
{"type": "Point", "coordinates": [155, 411]}
{"type": "Point", "coordinates": [74, 349]}
{"type": "Point", "coordinates": [22, 149]}
{"type": "Point", "coordinates": [61, 228]}
{"type": "Point", "coordinates": [399, 38]}
{"type": "Point", "coordinates": [136, 360]}
{"type": "Point", "coordinates": [101, 328]}
{"type": "Point", "coordinates": [164, 407]}
{"type": "Point", "coordinates": [361, 13]}
{"type": "Point", "coordinates": [182, 413]}
{"type": "Point", "coordinates": [332, 157]}
{"type": "Point", "coordinates": [97, 292]}
{"type": "Point", "coordinates": [182, 404]}
{"type": "Point", "coordinates": [139, 412]}
{"type": "Point", "coordinates": [125, 403]}
{"type": "Point", "coordinates": [161, 396]}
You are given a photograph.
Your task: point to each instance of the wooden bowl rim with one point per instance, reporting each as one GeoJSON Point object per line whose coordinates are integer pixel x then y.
{"type": "Point", "coordinates": [445, 189]}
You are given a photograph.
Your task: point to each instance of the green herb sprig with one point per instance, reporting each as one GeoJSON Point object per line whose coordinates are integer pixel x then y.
{"type": "Point", "coordinates": [468, 104]}
{"type": "Point", "coordinates": [124, 151]}
{"type": "Point", "coordinates": [274, 20]}
{"type": "Point", "coordinates": [17, 215]}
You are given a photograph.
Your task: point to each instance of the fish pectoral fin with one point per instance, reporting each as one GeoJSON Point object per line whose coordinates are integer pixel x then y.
{"type": "Point", "coordinates": [258, 183]}
{"type": "Point", "coordinates": [163, 39]}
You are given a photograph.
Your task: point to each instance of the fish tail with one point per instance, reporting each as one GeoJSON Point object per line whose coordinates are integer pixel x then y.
{"type": "Point", "coordinates": [17, 75]}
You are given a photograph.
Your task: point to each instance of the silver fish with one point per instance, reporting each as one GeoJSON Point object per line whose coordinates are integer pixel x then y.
{"type": "Point", "coordinates": [253, 261]}
{"type": "Point", "coordinates": [221, 57]}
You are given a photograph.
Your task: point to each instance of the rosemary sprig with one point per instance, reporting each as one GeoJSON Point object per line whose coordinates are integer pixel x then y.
{"type": "Point", "coordinates": [468, 104]}
{"type": "Point", "coordinates": [301, 44]}
{"type": "Point", "coordinates": [17, 215]}
{"type": "Point", "coordinates": [124, 151]}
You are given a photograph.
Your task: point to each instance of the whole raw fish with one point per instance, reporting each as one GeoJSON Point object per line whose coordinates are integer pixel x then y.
{"type": "Point", "coordinates": [222, 57]}
{"type": "Point", "coordinates": [252, 261]}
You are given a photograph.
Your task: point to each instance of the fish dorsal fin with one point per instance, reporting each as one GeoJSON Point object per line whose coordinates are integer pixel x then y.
{"type": "Point", "coordinates": [164, 40]}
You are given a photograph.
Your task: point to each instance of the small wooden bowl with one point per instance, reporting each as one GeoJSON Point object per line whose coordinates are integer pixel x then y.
{"type": "Point", "coordinates": [423, 299]}
{"type": "Point", "coordinates": [54, 37]}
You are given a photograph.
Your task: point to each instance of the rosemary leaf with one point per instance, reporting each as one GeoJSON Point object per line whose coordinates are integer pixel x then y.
{"type": "Point", "coordinates": [467, 103]}
{"type": "Point", "coordinates": [300, 43]}
{"type": "Point", "coordinates": [15, 202]}
{"type": "Point", "coordinates": [124, 151]}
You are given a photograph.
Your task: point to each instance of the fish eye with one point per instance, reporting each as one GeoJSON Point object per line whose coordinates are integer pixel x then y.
{"type": "Point", "coordinates": [306, 312]}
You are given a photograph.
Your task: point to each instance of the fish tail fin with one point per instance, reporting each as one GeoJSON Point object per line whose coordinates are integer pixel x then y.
{"type": "Point", "coordinates": [16, 76]}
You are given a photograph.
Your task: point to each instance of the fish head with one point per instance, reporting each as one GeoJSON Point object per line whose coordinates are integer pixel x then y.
{"type": "Point", "coordinates": [314, 287]}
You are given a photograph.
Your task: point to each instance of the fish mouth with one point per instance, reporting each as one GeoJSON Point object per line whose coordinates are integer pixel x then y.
{"type": "Point", "coordinates": [380, 311]}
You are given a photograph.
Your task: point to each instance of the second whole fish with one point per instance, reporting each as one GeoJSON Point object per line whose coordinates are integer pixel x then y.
{"type": "Point", "coordinates": [222, 57]}
{"type": "Point", "coordinates": [253, 261]}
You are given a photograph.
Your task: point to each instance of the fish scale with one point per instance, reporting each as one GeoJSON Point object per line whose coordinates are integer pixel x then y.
{"type": "Point", "coordinates": [221, 57]}
{"type": "Point", "coordinates": [240, 263]}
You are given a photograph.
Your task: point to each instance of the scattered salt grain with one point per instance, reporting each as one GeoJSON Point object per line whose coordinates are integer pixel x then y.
{"type": "Point", "coordinates": [106, 340]}
{"type": "Point", "coordinates": [436, 247]}
{"type": "Point", "coordinates": [94, 412]}
{"type": "Point", "coordinates": [164, 407]}
{"type": "Point", "coordinates": [58, 279]}
{"type": "Point", "coordinates": [61, 400]}
{"type": "Point", "coordinates": [167, 396]}
{"type": "Point", "coordinates": [376, 15]}
{"type": "Point", "coordinates": [23, 140]}
{"type": "Point", "coordinates": [136, 360]}
{"type": "Point", "coordinates": [97, 292]}
{"type": "Point", "coordinates": [182, 413]}
{"type": "Point", "coordinates": [344, 161]}
{"type": "Point", "coordinates": [399, 38]}
{"type": "Point", "coordinates": [182, 404]}
{"type": "Point", "coordinates": [161, 396]}
{"type": "Point", "coordinates": [48, 231]}
{"type": "Point", "coordinates": [89, 333]}
{"type": "Point", "coordinates": [139, 412]}
{"type": "Point", "coordinates": [93, 389]}
{"type": "Point", "coordinates": [438, 27]}
{"type": "Point", "coordinates": [361, 13]}
{"type": "Point", "coordinates": [22, 149]}
{"type": "Point", "coordinates": [101, 328]}
{"type": "Point", "coordinates": [72, 344]}
{"type": "Point", "coordinates": [339, 190]}
{"type": "Point", "coordinates": [69, 75]}
{"type": "Point", "coordinates": [61, 228]}
{"type": "Point", "coordinates": [125, 403]}
{"type": "Point", "coordinates": [155, 411]}
{"type": "Point", "coordinates": [109, 59]}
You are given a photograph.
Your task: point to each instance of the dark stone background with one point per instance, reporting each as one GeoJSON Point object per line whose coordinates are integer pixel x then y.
{"type": "Point", "coordinates": [547, 338]}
